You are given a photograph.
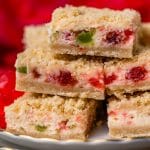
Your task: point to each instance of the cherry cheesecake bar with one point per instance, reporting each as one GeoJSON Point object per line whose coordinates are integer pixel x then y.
{"type": "Point", "coordinates": [46, 116]}
{"type": "Point", "coordinates": [128, 75]}
{"type": "Point", "coordinates": [129, 116]}
{"type": "Point", "coordinates": [38, 71]}
{"type": "Point", "coordinates": [92, 31]}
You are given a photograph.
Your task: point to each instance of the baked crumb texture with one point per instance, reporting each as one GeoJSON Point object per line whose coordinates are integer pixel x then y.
{"type": "Point", "coordinates": [48, 116]}
{"type": "Point", "coordinates": [38, 71]}
{"type": "Point", "coordinates": [130, 116]}
{"type": "Point", "coordinates": [128, 75]}
{"type": "Point", "coordinates": [36, 36]}
{"type": "Point", "coordinates": [90, 31]}
{"type": "Point", "coordinates": [145, 36]}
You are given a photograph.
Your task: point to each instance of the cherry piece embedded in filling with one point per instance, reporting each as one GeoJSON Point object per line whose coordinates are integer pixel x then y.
{"type": "Point", "coordinates": [62, 125]}
{"type": "Point", "coordinates": [113, 37]}
{"type": "Point", "coordinates": [35, 73]}
{"type": "Point", "coordinates": [116, 37]}
{"type": "Point", "coordinates": [64, 78]}
{"type": "Point", "coordinates": [136, 74]}
{"type": "Point", "coordinates": [124, 114]}
{"type": "Point", "coordinates": [95, 82]}
{"type": "Point", "coordinates": [68, 36]}
{"type": "Point", "coordinates": [112, 113]}
{"type": "Point", "coordinates": [109, 79]}
{"type": "Point", "coordinates": [129, 122]}
{"type": "Point", "coordinates": [128, 33]}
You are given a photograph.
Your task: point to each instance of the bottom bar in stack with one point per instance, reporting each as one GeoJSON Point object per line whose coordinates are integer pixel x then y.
{"type": "Point", "coordinates": [51, 116]}
{"type": "Point", "coordinates": [130, 116]}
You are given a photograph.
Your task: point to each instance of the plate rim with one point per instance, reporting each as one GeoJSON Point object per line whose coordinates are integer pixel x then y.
{"type": "Point", "coordinates": [45, 140]}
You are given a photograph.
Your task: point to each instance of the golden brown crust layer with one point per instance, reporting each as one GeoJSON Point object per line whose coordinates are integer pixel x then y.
{"type": "Point", "coordinates": [29, 86]}
{"type": "Point", "coordinates": [129, 132]}
{"type": "Point", "coordinates": [107, 52]}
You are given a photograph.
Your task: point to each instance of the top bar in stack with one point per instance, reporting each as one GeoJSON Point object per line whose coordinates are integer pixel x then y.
{"type": "Point", "coordinates": [91, 31]}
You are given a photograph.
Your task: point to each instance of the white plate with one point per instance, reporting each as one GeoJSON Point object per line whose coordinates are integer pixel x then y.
{"type": "Point", "coordinates": [98, 140]}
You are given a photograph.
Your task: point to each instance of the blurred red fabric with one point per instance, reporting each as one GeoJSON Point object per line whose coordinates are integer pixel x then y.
{"type": "Point", "coordinates": [15, 14]}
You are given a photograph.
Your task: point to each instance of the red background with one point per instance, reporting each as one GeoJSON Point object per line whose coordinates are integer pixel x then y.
{"type": "Point", "coordinates": [15, 14]}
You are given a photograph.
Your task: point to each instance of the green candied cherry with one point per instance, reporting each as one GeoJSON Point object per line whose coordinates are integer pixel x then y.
{"type": "Point", "coordinates": [85, 37]}
{"type": "Point", "coordinates": [40, 128]}
{"type": "Point", "coordinates": [22, 69]}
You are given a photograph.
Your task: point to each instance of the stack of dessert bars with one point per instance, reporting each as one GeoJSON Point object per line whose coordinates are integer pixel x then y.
{"type": "Point", "coordinates": [82, 57]}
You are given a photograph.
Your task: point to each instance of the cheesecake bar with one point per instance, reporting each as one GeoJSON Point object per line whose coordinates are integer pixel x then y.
{"type": "Point", "coordinates": [39, 71]}
{"type": "Point", "coordinates": [36, 36]}
{"type": "Point", "coordinates": [145, 37]}
{"type": "Point", "coordinates": [128, 75]}
{"type": "Point", "coordinates": [48, 116]}
{"type": "Point", "coordinates": [91, 31]}
{"type": "Point", "coordinates": [130, 116]}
